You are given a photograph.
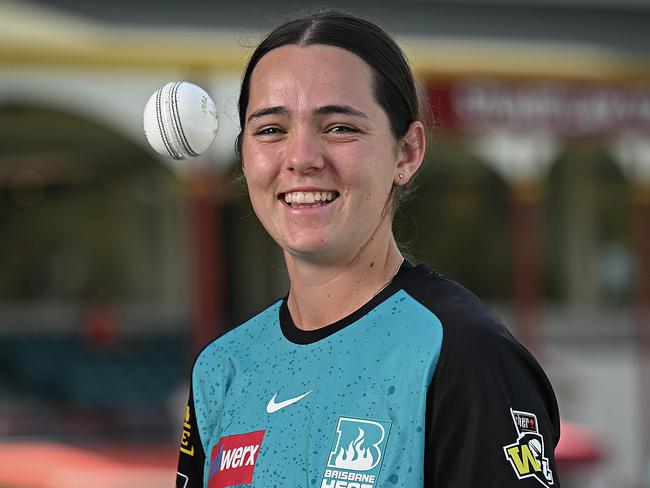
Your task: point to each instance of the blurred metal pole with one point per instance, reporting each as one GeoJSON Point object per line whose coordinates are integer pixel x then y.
{"type": "Point", "coordinates": [526, 238]}
{"type": "Point", "coordinates": [641, 247]}
{"type": "Point", "coordinates": [641, 242]}
{"type": "Point", "coordinates": [523, 158]}
{"type": "Point", "coordinates": [205, 209]}
{"type": "Point", "coordinates": [631, 150]}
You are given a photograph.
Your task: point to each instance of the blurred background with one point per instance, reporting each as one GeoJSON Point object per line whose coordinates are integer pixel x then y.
{"type": "Point", "coordinates": [117, 266]}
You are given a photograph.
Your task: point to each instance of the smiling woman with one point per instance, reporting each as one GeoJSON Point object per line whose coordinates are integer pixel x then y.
{"type": "Point", "coordinates": [314, 129]}
{"type": "Point", "coordinates": [371, 370]}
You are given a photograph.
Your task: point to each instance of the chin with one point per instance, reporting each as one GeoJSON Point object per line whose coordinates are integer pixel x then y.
{"type": "Point", "coordinates": [316, 249]}
{"type": "Point", "coordinates": [306, 251]}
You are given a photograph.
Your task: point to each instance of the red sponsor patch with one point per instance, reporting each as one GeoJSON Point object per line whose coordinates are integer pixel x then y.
{"type": "Point", "coordinates": [233, 459]}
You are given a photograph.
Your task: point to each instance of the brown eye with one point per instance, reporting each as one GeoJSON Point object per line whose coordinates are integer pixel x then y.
{"type": "Point", "coordinates": [342, 129]}
{"type": "Point", "coordinates": [269, 131]}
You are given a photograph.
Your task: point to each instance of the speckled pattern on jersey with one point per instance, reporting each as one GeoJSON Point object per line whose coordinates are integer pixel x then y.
{"type": "Point", "coordinates": [378, 368]}
{"type": "Point", "coordinates": [422, 386]}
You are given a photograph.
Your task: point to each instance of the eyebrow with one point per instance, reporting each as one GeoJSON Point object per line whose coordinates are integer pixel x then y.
{"type": "Point", "coordinates": [277, 110]}
{"type": "Point", "coordinates": [339, 109]}
{"type": "Point", "coordinates": [324, 110]}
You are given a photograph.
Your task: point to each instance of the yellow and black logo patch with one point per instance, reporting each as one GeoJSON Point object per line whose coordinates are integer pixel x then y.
{"type": "Point", "coordinates": [526, 455]}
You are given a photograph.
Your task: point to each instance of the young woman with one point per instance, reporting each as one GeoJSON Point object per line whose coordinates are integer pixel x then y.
{"type": "Point", "coordinates": [372, 372]}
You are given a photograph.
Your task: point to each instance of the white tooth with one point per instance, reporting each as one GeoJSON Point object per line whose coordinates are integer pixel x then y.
{"type": "Point", "coordinates": [300, 197]}
{"type": "Point", "coordinates": [329, 196]}
{"type": "Point", "coordinates": [287, 197]}
{"type": "Point", "coordinates": [317, 196]}
{"type": "Point", "coordinates": [323, 196]}
{"type": "Point", "coordinates": [309, 197]}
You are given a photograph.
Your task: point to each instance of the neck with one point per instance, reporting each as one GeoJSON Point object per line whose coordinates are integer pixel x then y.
{"type": "Point", "coordinates": [322, 293]}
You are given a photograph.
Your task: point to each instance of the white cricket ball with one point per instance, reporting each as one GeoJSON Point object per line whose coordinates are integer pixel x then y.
{"type": "Point", "coordinates": [180, 120]}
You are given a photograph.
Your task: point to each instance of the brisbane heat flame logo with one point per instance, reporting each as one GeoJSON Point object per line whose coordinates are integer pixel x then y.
{"type": "Point", "coordinates": [355, 456]}
{"type": "Point", "coordinates": [357, 451]}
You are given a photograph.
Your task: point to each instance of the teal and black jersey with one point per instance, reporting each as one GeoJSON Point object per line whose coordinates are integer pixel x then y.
{"type": "Point", "coordinates": [420, 387]}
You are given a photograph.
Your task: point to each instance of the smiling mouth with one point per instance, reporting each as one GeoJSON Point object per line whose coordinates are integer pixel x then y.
{"type": "Point", "coordinates": [308, 199]}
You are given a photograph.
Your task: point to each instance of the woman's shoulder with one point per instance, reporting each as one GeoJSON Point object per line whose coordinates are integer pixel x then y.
{"type": "Point", "coordinates": [243, 334]}
{"type": "Point", "coordinates": [455, 305]}
{"type": "Point", "coordinates": [473, 335]}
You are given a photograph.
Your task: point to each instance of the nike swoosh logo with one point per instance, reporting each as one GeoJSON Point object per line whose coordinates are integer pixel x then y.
{"type": "Point", "coordinates": [274, 407]}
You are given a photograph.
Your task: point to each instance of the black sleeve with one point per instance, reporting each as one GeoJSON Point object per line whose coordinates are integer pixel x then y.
{"type": "Point", "coordinates": [492, 416]}
{"type": "Point", "coordinates": [191, 459]}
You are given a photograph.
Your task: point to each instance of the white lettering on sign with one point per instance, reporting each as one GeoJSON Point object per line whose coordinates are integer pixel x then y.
{"type": "Point", "coordinates": [561, 108]}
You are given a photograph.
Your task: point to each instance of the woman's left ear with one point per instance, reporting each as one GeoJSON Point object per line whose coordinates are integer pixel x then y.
{"type": "Point", "coordinates": [410, 153]}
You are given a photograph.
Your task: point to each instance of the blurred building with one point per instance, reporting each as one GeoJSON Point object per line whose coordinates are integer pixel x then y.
{"type": "Point", "coordinates": [118, 265]}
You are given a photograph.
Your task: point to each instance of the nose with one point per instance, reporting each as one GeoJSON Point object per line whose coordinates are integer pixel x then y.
{"type": "Point", "coordinates": [303, 151]}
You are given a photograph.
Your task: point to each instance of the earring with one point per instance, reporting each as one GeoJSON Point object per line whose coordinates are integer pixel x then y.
{"type": "Point", "coordinates": [400, 176]}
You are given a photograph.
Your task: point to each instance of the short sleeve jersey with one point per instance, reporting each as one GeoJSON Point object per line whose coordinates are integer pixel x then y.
{"type": "Point", "coordinates": [420, 387]}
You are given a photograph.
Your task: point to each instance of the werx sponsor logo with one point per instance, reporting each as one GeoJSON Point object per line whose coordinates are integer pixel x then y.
{"type": "Point", "coordinates": [233, 459]}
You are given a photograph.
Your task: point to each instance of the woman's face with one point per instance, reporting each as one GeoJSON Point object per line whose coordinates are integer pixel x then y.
{"type": "Point", "coordinates": [318, 153]}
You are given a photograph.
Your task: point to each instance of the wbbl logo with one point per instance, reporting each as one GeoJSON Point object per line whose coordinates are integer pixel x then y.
{"type": "Point", "coordinates": [527, 454]}
{"type": "Point", "coordinates": [356, 455]}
